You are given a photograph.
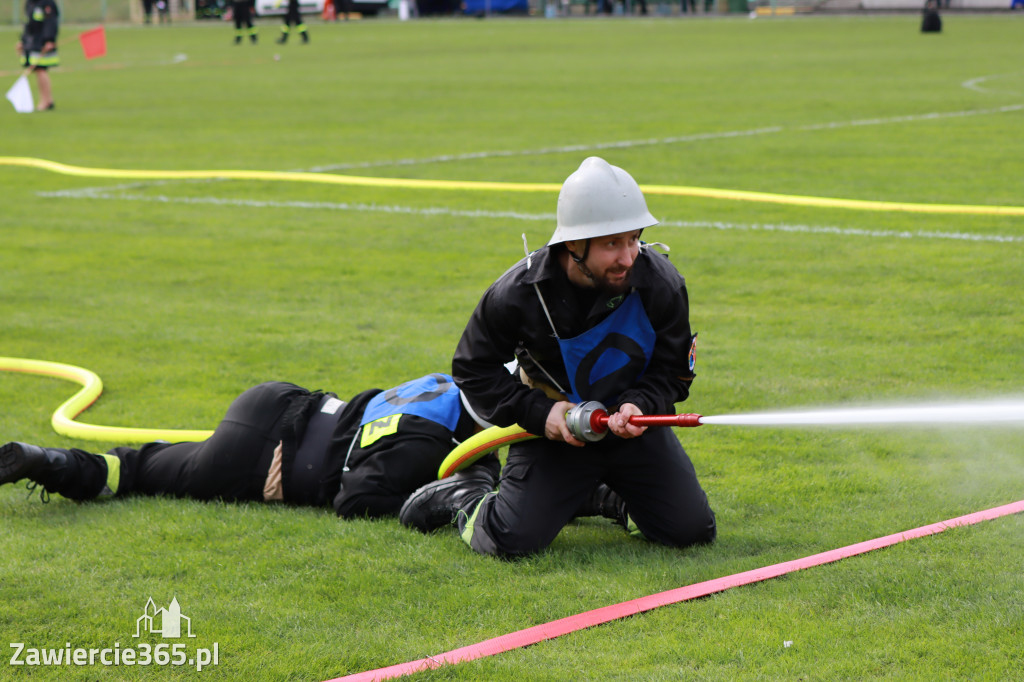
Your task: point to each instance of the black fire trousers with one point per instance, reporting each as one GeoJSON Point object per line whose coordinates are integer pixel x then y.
{"type": "Point", "coordinates": [544, 483]}
{"type": "Point", "coordinates": [292, 17]}
{"type": "Point", "coordinates": [231, 465]}
{"type": "Point", "coordinates": [242, 14]}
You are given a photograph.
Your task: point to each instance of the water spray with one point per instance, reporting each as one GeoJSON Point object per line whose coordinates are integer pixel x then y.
{"type": "Point", "coordinates": [588, 421]}
{"type": "Point", "coordinates": [1008, 412]}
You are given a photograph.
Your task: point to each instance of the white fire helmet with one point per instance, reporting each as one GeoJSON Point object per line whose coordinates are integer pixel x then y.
{"type": "Point", "coordinates": [598, 200]}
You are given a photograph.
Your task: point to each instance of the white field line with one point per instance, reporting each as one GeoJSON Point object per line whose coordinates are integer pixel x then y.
{"type": "Point", "coordinates": [624, 144]}
{"type": "Point", "coordinates": [698, 137]}
{"type": "Point", "coordinates": [975, 84]}
{"type": "Point", "coordinates": [536, 217]}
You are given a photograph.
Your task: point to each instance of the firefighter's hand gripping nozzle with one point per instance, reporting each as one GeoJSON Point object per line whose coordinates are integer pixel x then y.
{"type": "Point", "coordinates": [588, 421]}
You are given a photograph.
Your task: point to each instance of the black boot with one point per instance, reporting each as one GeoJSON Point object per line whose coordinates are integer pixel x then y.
{"type": "Point", "coordinates": [44, 466]}
{"type": "Point", "coordinates": [437, 503]}
{"type": "Point", "coordinates": [604, 502]}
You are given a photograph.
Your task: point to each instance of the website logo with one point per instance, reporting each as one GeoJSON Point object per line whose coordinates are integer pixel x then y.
{"type": "Point", "coordinates": [168, 623]}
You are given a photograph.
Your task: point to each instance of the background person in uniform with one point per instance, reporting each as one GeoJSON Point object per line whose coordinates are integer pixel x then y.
{"type": "Point", "coordinates": [293, 18]}
{"type": "Point", "coordinates": [931, 22]}
{"type": "Point", "coordinates": [594, 315]}
{"type": "Point", "coordinates": [278, 441]}
{"type": "Point", "coordinates": [163, 11]}
{"type": "Point", "coordinates": [38, 46]}
{"type": "Point", "coordinates": [241, 13]}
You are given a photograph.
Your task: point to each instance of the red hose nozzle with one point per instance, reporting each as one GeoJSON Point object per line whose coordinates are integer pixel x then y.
{"type": "Point", "coordinates": [588, 421]}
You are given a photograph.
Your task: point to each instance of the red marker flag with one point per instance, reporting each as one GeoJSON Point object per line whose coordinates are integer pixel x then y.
{"type": "Point", "coordinates": [94, 43]}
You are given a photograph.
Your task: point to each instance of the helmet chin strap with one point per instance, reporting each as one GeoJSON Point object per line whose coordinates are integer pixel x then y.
{"type": "Point", "coordinates": [580, 264]}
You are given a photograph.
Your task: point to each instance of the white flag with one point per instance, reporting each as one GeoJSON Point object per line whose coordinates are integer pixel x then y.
{"type": "Point", "coordinates": [20, 96]}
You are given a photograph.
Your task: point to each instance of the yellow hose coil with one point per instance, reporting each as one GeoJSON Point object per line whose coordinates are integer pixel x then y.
{"type": "Point", "coordinates": [63, 420]}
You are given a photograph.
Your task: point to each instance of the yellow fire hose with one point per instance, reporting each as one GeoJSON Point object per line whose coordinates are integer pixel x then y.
{"type": "Point", "coordinates": [63, 419]}
{"type": "Point", "coordinates": [470, 185]}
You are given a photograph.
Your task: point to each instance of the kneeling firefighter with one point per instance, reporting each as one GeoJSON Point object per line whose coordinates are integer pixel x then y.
{"type": "Point", "coordinates": [597, 315]}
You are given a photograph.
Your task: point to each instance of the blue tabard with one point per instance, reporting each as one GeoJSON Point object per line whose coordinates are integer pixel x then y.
{"type": "Point", "coordinates": [607, 359]}
{"type": "Point", "coordinates": [432, 397]}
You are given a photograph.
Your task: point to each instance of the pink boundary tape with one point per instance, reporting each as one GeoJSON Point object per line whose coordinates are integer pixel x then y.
{"type": "Point", "coordinates": [605, 614]}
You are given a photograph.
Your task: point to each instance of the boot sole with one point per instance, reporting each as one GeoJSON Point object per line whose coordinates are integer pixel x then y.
{"type": "Point", "coordinates": [12, 463]}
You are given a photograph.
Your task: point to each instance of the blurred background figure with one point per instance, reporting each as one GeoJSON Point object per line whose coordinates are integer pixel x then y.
{"type": "Point", "coordinates": [931, 22]}
{"type": "Point", "coordinates": [163, 11]}
{"type": "Point", "coordinates": [293, 18]}
{"type": "Point", "coordinates": [241, 11]}
{"type": "Point", "coordinates": [38, 46]}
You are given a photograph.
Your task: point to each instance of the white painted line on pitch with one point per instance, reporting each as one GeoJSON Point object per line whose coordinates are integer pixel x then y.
{"type": "Point", "coordinates": [625, 144]}
{"type": "Point", "coordinates": [567, 149]}
{"type": "Point", "coordinates": [315, 205]}
{"type": "Point", "coordinates": [850, 231]}
{"type": "Point", "coordinates": [975, 84]}
{"type": "Point", "coordinates": [536, 217]}
{"type": "Point", "coordinates": [697, 137]}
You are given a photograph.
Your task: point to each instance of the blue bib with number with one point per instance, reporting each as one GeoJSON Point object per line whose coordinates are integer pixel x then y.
{"type": "Point", "coordinates": [434, 397]}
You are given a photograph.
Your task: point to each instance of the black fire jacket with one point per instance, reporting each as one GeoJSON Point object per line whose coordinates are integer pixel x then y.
{"type": "Point", "coordinates": [509, 321]}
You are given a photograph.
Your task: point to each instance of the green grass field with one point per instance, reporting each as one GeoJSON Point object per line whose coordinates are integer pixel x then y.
{"type": "Point", "coordinates": [181, 294]}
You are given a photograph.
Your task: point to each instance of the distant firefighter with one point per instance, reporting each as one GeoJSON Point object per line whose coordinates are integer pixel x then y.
{"type": "Point", "coordinates": [293, 18]}
{"type": "Point", "coordinates": [931, 21]}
